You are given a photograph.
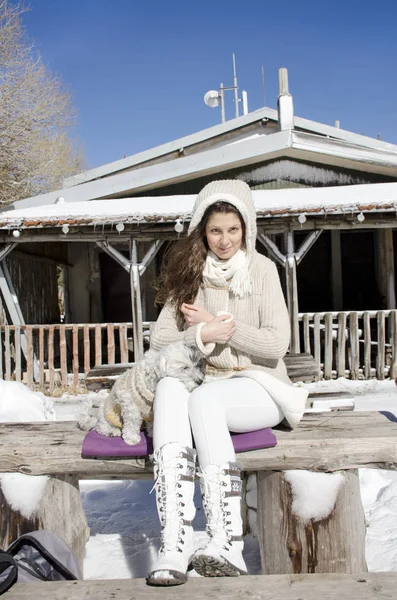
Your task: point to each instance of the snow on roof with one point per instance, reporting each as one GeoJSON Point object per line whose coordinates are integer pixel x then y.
{"type": "Point", "coordinates": [378, 197]}
{"type": "Point", "coordinates": [248, 152]}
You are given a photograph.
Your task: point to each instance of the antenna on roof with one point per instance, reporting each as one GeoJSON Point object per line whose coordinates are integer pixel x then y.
{"type": "Point", "coordinates": [263, 86]}
{"type": "Point", "coordinates": [214, 98]}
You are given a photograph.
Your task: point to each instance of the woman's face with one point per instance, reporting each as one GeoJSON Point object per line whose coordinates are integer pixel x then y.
{"type": "Point", "coordinates": [224, 233]}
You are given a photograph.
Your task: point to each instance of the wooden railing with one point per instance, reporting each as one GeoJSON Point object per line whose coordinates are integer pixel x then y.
{"type": "Point", "coordinates": [353, 344]}
{"type": "Point", "coordinates": [357, 345]}
{"type": "Point", "coordinates": [47, 357]}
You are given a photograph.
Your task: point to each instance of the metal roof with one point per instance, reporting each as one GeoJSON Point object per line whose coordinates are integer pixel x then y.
{"type": "Point", "coordinates": [217, 131]}
{"type": "Point", "coordinates": [300, 145]}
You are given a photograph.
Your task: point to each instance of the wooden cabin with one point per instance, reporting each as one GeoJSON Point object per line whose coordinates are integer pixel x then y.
{"type": "Point", "coordinates": [326, 203]}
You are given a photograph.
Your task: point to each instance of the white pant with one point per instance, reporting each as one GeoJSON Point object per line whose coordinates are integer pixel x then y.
{"type": "Point", "coordinates": [210, 412]}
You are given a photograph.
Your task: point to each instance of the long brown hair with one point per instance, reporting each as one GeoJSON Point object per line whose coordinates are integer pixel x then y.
{"type": "Point", "coordinates": [182, 271]}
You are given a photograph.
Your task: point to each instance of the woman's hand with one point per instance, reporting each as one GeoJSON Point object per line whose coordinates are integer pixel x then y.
{"type": "Point", "coordinates": [194, 314]}
{"type": "Point", "coordinates": [219, 330]}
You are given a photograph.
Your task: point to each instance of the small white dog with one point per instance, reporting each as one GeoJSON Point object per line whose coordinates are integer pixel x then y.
{"type": "Point", "coordinates": [130, 402]}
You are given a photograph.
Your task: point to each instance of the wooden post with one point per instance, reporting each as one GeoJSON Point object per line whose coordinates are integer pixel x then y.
{"type": "Point", "coordinates": [328, 346]}
{"type": "Point", "coordinates": [367, 345]}
{"type": "Point", "coordinates": [292, 293]}
{"type": "Point", "coordinates": [380, 359]}
{"type": "Point", "coordinates": [341, 346]}
{"type": "Point", "coordinates": [288, 545]}
{"type": "Point", "coordinates": [60, 511]}
{"type": "Point", "coordinates": [385, 267]}
{"type": "Point", "coordinates": [354, 346]}
{"type": "Point", "coordinates": [336, 272]}
{"type": "Point", "coordinates": [393, 365]}
{"type": "Point", "coordinates": [136, 302]}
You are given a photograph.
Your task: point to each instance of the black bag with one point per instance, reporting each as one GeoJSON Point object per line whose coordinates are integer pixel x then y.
{"type": "Point", "coordinates": [37, 556]}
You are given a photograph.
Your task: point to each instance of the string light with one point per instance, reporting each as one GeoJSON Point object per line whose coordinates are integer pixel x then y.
{"type": "Point", "coordinates": [65, 229]}
{"type": "Point", "coordinates": [360, 217]}
{"type": "Point", "coordinates": [16, 233]}
{"type": "Point", "coordinates": [302, 219]}
{"type": "Point", "coordinates": [178, 226]}
{"type": "Point", "coordinates": [120, 227]}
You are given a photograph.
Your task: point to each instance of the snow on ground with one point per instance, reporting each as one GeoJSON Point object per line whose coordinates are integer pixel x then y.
{"type": "Point", "coordinates": [124, 525]}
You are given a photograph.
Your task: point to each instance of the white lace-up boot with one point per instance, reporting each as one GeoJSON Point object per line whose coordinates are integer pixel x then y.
{"type": "Point", "coordinates": [221, 490]}
{"type": "Point", "coordinates": [174, 471]}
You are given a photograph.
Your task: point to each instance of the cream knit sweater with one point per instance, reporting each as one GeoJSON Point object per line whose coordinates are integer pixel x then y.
{"type": "Point", "coordinates": [262, 326]}
{"type": "Point", "coordinates": [262, 333]}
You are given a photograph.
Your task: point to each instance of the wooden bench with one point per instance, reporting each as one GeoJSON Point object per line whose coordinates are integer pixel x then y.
{"type": "Point", "coordinates": [300, 367]}
{"type": "Point", "coordinates": [324, 442]}
{"type": "Point", "coordinates": [367, 586]}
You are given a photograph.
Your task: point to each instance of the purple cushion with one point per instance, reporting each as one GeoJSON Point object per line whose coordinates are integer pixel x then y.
{"type": "Point", "coordinates": [96, 445]}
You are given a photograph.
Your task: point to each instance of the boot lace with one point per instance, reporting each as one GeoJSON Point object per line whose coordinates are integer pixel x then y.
{"type": "Point", "coordinates": [215, 506]}
{"type": "Point", "coordinates": [170, 505]}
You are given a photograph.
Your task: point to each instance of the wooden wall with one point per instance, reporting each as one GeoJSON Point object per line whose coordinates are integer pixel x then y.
{"type": "Point", "coordinates": [33, 270]}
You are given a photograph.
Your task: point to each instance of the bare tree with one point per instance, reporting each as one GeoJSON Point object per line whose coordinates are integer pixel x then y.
{"type": "Point", "coordinates": [36, 116]}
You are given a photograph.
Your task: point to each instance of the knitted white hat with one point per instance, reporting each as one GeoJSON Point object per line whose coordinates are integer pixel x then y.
{"type": "Point", "coordinates": [238, 194]}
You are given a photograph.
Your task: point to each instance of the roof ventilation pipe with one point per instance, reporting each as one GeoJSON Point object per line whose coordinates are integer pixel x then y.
{"type": "Point", "coordinates": [285, 102]}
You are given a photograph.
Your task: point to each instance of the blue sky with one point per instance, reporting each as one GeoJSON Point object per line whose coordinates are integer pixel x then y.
{"type": "Point", "coordinates": [138, 70]}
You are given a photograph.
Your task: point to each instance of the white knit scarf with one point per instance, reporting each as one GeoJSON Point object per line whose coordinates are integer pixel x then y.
{"type": "Point", "coordinates": [232, 273]}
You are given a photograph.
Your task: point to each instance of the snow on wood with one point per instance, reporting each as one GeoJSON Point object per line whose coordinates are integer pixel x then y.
{"type": "Point", "coordinates": [313, 494]}
{"type": "Point", "coordinates": [379, 197]}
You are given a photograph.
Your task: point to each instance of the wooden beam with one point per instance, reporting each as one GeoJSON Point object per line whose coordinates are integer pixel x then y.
{"type": "Point", "coordinates": [115, 254]}
{"type": "Point", "coordinates": [308, 242]}
{"type": "Point", "coordinates": [136, 302]}
{"type": "Point", "coordinates": [292, 291]}
{"type": "Point", "coordinates": [336, 271]}
{"type": "Point", "coordinates": [272, 248]}
{"type": "Point", "coordinates": [6, 250]}
{"type": "Point", "coordinates": [149, 256]}
{"type": "Point", "coordinates": [11, 300]}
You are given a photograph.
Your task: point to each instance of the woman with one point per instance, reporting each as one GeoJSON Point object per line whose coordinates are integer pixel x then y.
{"type": "Point", "coordinates": [224, 298]}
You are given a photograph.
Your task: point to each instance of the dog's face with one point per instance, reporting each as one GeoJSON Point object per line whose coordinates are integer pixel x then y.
{"type": "Point", "coordinates": [183, 363]}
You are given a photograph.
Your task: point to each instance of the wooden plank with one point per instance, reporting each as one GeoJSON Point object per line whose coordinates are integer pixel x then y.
{"type": "Point", "coordinates": [29, 355]}
{"type": "Point", "coordinates": [322, 442]}
{"type": "Point", "coordinates": [123, 343]}
{"type": "Point", "coordinates": [328, 345]}
{"type": "Point", "coordinates": [41, 358]}
{"type": "Point", "coordinates": [98, 345]}
{"type": "Point", "coordinates": [103, 377]}
{"type": "Point", "coordinates": [51, 368]}
{"type": "Point", "coordinates": [17, 338]}
{"type": "Point", "coordinates": [301, 367]}
{"type": "Point", "coordinates": [7, 353]}
{"type": "Point", "coordinates": [317, 346]}
{"type": "Point", "coordinates": [329, 586]}
{"type": "Point", "coordinates": [75, 356]}
{"type": "Point", "coordinates": [111, 353]}
{"type": "Point", "coordinates": [1, 352]}
{"type": "Point", "coordinates": [380, 359]}
{"type": "Point", "coordinates": [354, 346]}
{"type": "Point", "coordinates": [298, 546]}
{"type": "Point", "coordinates": [86, 335]}
{"type": "Point", "coordinates": [367, 345]}
{"type": "Point", "coordinates": [341, 346]}
{"type": "Point", "coordinates": [63, 356]}
{"type": "Point", "coordinates": [393, 341]}
{"type": "Point", "coordinates": [306, 334]}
